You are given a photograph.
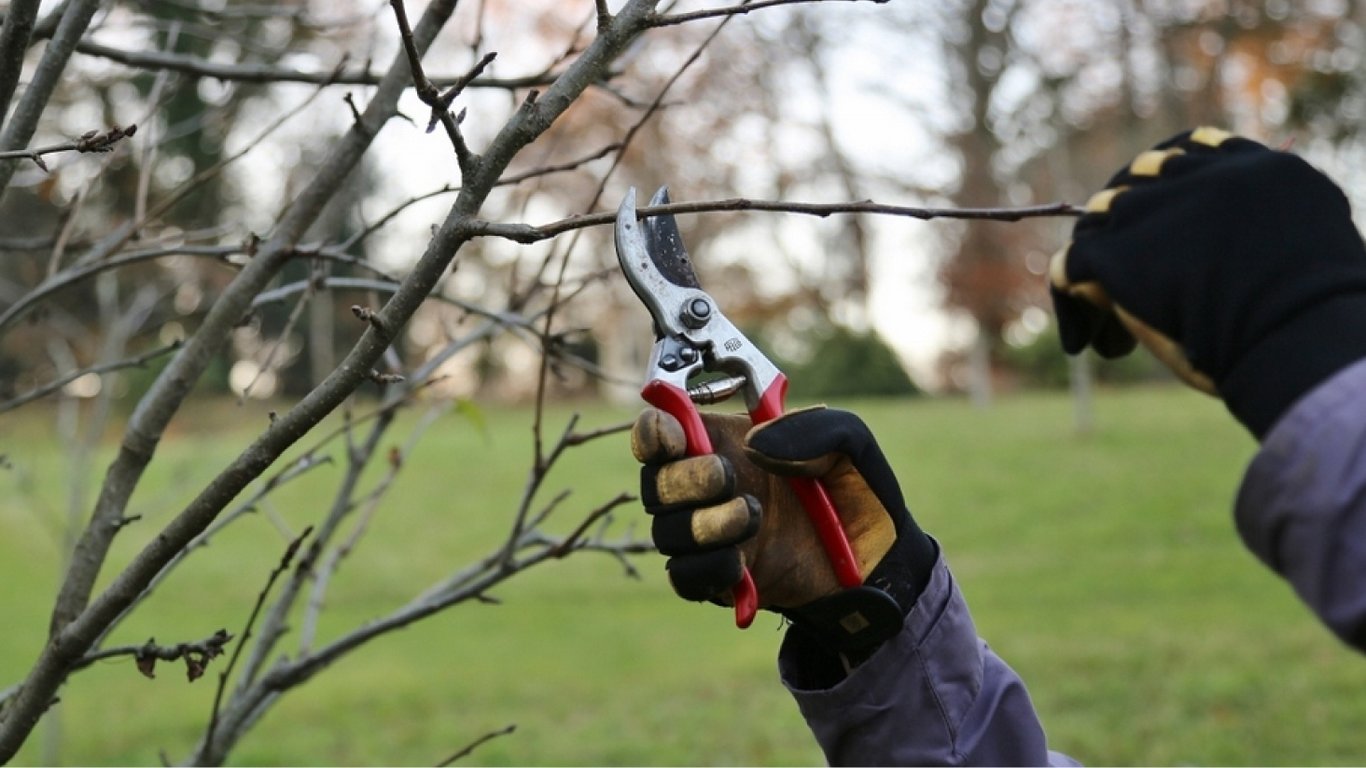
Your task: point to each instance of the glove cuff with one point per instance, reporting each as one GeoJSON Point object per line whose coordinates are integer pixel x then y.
{"type": "Point", "coordinates": [856, 622]}
{"type": "Point", "coordinates": [1294, 359]}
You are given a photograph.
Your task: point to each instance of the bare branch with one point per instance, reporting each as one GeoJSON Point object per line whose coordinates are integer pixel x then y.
{"type": "Point", "coordinates": [323, 574]}
{"type": "Point", "coordinates": [76, 274]}
{"type": "Point", "coordinates": [137, 361]}
{"type": "Point", "coordinates": [431, 95]}
{"type": "Point", "coordinates": [526, 233]}
{"type": "Point", "coordinates": [477, 743]}
{"type": "Point", "coordinates": [736, 10]}
{"type": "Point", "coordinates": [23, 121]}
{"type": "Point", "coordinates": [295, 469]}
{"type": "Point", "coordinates": [197, 655]}
{"type": "Point", "coordinates": [14, 37]}
{"type": "Point", "coordinates": [246, 633]}
{"type": "Point", "coordinates": [262, 73]}
{"type": "Point", "coordinates": [509, 180]}
{"type": "Point", "coordinates": [77, 622]}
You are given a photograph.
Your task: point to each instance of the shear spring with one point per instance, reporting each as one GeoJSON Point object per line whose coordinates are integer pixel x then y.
{"type": "Point", "coordinates": [716, 390]}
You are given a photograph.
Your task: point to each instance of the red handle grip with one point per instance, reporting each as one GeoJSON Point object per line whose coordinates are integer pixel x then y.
{"type": "Point", "coordinates": [815, 499]}
{"type": "Point", "coordinates": [676, 403]}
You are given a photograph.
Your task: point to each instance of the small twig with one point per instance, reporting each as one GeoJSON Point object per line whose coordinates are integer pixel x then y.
{"type": "Point", "coordinates": [280, 340]}
{"type": "Point", "coordinates": [479, 742]}
{"type": "Point", "coordinates": [384, 379]}
{"type": "Point", "coordinates": [509, 180]}
{"type": "Point", "coordinates": [322, 575]}
{"type": "Point", "coordinates": [434, 98]}
{"type": "Point", "coordinates": [579, 438]}
{"type": "Point", "coordinates": [196, 66]}
{"type": "Point", "coordinates": [196, 655]}
{"type": "Point", "coordinates": [571, 541]}
{"type": "Point", "coordinates": [446, 99]}
{"type": "Point", "coordinates": [246, 635]}
{"type": "Point", "coordinates": [137, 361]}
{"type": "Point", "coordinates": [736, 10]}
{"type": "Point", "coordinates": [527, 233]}
{"type": "Point", "coordinates": [368, 315]}
{"type": "Point", "coordinates": [90, 141]}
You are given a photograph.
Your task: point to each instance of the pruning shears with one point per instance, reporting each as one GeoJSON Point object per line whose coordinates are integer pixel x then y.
{"type": "Point", "coordinates": [693, 336]}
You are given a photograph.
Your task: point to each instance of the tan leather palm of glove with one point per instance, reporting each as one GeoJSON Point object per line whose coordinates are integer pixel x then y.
{"type": "Point", "coordinates": [714, 514]}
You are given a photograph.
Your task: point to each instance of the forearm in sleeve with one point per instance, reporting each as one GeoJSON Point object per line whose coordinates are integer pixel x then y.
{"type": "Point", "coordinates": [1302, 505]}
{"type": "Point", "coordinates": [935, 694]}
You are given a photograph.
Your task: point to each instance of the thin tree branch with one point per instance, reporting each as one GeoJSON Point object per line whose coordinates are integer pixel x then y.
{"type": "Point", "coordinates": [246, 632]}
{"type": "Point", "coordinates": [92, 141]}
{"type": "Point", "coordinates": [737, 10]}
{"type": "Point", "coordinates": [14, 37]}
{"type": "Point", "coordinates": [137, 361]}
{"type": "Point", "coordinates": [512, 179]}
{"type": "Point", "coordinates": [265, 73]}
{"type": "Point", "coordinates": [23, 121]}
{"type": "Point", "coordinates": [477, 743]}
{"type": "Point", "coordinates": [274, 625]}
{"type": "Point", "coordinates": [526, 233]}
{"type": "Point", "coordinates": [308, 461]}
{"type": "Point", "coordinates": [432, 96]}
{"type": "Point", "coordinates": [75, 274]}
{"type": "Point", "coordinates": [322, 577]}
{"type": "Point", "coordinates": [197, 655]}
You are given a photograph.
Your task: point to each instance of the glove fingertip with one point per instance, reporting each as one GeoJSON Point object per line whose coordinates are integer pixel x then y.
{"type": "Point", "coordinates": [1076, 321]}
{"type": "Point", "coordinates": [657, 437]}
{"type": "Point", "coordinates": [688, 531]}
{"type": "Point", "coordinates": [706, 575]}
{"type": "Point", "coordinates": [1112, 339]}
{"type": "Point", "coordinates": [803, 442]}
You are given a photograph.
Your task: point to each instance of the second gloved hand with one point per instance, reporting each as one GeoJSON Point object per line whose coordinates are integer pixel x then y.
{"type": "Point", "coordinates": [714, 514]}
{"type": "Point", "coordinates": [1236, 265]}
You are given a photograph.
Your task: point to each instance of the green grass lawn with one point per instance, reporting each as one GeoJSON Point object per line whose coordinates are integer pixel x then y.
{"type": "Point", "coordinates": [1105, 568]}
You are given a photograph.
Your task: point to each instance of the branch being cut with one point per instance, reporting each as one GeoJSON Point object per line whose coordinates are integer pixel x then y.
{"type": "Point", "coordinates": [527, 233]}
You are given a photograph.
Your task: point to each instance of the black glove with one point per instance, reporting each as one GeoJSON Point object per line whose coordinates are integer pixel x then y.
{"type": "Point", "coordinates": [1237, 265]}
{"type": "Point", "coordinates": [714, 513]}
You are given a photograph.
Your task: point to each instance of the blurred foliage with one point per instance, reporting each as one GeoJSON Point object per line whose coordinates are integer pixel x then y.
{"type": "Point", "coordinates": [846, 363]}
{"type": "Point", "coordinates": [1041, 363]}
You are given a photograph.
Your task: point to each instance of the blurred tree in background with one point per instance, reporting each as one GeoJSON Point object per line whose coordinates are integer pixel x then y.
{"type": "Point", "coordinates": [1054, 96]}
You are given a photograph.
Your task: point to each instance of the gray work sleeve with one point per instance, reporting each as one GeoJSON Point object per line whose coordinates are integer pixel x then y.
{"type": "Point", "coordinates": [933, 695]}
{"type": "Point", "coordinates": [1302, 504]}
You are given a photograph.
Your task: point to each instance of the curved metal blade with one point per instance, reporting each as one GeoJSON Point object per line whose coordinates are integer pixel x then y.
{"type": "Point", "coordinates": [658, 289]}
{"type": "Point", "coordinates": [666, 245]}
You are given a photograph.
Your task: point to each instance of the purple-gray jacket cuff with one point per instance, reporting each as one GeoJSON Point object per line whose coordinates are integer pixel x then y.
{"type": "Point", "coordinates": [935, 694]}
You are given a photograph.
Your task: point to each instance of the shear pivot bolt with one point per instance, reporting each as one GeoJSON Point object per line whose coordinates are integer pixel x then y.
{"type": "Point", "coordinates": [696, 313]}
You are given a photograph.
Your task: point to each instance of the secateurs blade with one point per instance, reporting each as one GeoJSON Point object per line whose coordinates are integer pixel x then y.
{"type": "Point", "coordinates": [693, 336]}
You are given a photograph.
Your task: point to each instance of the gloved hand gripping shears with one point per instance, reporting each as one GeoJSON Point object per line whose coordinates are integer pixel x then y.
{"type": "Point", "coordinates": [694, 336]}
